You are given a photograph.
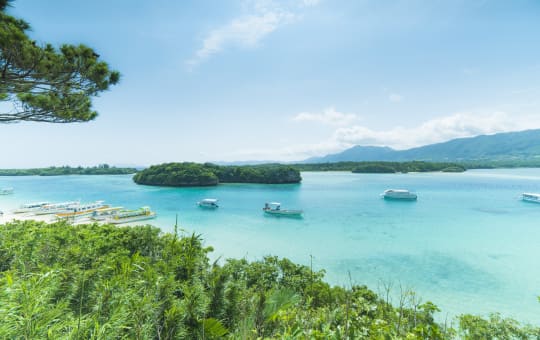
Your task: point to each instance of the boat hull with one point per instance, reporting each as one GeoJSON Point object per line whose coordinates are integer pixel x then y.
{"type": "Point", "coordinates": [208, 206]}
{"type": "Point", "coordinates": [531, 199]}
{"type": "Point", "coordinates": [403, 198]}
{"type": "Point", "coordinates": [399, 195]}
{"type": "Point", "coordinates": [284, 213]}
{"type": "Point", "coordinates": [132, 219]}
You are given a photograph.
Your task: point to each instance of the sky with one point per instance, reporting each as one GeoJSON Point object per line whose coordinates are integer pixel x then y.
{"type": "Point", "coordinates": [285, 80]}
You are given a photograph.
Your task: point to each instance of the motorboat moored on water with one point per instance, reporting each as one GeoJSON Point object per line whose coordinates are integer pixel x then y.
{"type": "Point", "coordinates": [399, 194]}
{"type": "Point", "coordinates": [6, 191]}
{"type": "Point", "coordinates": [126, 216]}
{"type": "Point", "coordinates": [274, 208]}
{"type": "Point", "coordinates": [103, 214]}
{"type": "Point", "coordinates": [530, 197]}
{"type": "Point", "coordinates": [30, 207]}
{"type": "Point", "coordinates": [56, 208]}
{"type": "Point", "coordinates": [82, 210]}
{"type": "Point", "coordinates": [208, 203]}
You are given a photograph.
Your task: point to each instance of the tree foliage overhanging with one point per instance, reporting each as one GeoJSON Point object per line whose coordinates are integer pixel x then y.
{"type": "Point", "coordinates": [59, 281]}
{"type": "Point", "coordinates": [195, 174]}
{"type": "Point", "coordinates": [45, 84]}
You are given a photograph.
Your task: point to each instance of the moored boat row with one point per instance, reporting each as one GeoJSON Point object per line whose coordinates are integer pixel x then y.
{"type": "Point", "coordinates": [74, 211]}
{"type": "Point", "coordinates": [272, 208]}
{"type": "Point", "coordinates": [30, 207]}
{"type": "Point", "coordinates": [81, 210]}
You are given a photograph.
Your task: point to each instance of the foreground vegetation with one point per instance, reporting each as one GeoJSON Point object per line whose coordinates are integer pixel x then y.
{"type": "Point", "coordinates": [59, 281]}
{"type": "Point", "coordinates": [103, 169]}
{"type": "Point", "coordinates": [382, 167]}
{"type": "Point", "coordinates": [194, 174]}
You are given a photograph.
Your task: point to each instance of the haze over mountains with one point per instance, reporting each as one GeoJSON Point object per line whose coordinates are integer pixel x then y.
{"type": "Point", "coordinates": [500, 146]}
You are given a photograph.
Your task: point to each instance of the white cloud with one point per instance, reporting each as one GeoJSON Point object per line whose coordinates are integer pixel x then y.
{"type": "Point", "coordinates": [289, 153]}
{"type": "Point", "coordinates": [394, 97]}
{"type": "Point", "coordinates": [458, 125]}
{"type": "Point", "coordinates": [437, 130]}
{"type": "Point", "coordinates": [262, 18]}
{"type": "Point", "coordinates": [328, 117]}
{"type": "Point", "coordinates": [309, 3]}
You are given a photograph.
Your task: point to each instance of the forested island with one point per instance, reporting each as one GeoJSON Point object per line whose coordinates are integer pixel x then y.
{"type": "Point", "coordinates": [102, 169]}
{"type": "Point", "coordinates": [382, 167]}
{"type": "Point", "coordinates": [59, 281]}
{"type": "Point", "coordinates": [207, 174]}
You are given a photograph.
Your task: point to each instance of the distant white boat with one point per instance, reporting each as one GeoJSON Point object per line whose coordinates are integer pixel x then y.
{"type": "Point", "coordinates": [81, 210]}
{"type": "Point", "coordinates": [399, 194]}
{"type": "Point", "coordinates": [208, 203]}
{"type": "Point", "coordinates": [530, 197]}
{"type": "Point", "coordinates": [102, 214]}
{"type": "Point", "coordinates": [30, 207]}
{"type": "Point", "coordinates": [126, 216]}
{"type": "Point", "coordinates": [274, 208]}
{"type": "Point", "coordinates": [6, 191]}
{"type": "Point", "coordinates": [56, 208]}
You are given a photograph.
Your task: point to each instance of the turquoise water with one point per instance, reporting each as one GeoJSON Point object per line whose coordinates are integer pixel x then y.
{"type": "Point", "coordinates": [468, 244]}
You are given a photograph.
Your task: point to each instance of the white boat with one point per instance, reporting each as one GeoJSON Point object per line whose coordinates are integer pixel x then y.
{"type": "Point", "coordinates": [81, 210]}
{"type": "Point", "coordinates": [56, 208]}
{"type": "Point", "coordinates": [6, 191]}
{"type": "Point", "coordinates": [274, 208]}
{"type": "Point", "coordinates": [102, 214]}
{"type": "Point", "coordinates": [399, 194]}
{"type": "Point", "coordinates": [530, 197]}
{"type": "Point", "coordinates": [208, 203]}
{"type": "Point", "coordinates": [126, 216]}
{"type": "Point", "coordinates": [30, 207]}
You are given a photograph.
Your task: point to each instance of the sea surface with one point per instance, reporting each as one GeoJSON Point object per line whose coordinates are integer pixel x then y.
{"type": "Point", "coordinates": [469, 244]}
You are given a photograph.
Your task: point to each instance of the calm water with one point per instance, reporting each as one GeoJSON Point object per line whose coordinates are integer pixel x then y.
{"type": "Point", "coordinates": [468, 244]}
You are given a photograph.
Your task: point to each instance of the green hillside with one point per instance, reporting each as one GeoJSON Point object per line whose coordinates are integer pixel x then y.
{"type": "Point", "coordinates": [511, 146]}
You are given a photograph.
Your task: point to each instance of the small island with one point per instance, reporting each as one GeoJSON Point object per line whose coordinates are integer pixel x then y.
{"type": "Point", "coordinates": [102, 169]}
{"type": "Point", "coordinates": [208, 174]}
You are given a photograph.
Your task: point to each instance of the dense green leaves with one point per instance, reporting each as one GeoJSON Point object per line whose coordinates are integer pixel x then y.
{"type": "Point", "coordinates": [382, 167]}
{"type": "Point", "coordinates": [59, 281]}
{"type": "Point", "coordinates": [194, 174]}
{"type": "Point", "coordinates": [46, 84]}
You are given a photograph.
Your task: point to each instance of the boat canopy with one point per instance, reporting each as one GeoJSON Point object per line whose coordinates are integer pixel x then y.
{"type": "Point", "coordinates": [209, 200]}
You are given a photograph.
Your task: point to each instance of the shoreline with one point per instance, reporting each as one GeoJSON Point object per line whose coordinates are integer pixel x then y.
{"type": "Point", "coordinates": [10, 216]}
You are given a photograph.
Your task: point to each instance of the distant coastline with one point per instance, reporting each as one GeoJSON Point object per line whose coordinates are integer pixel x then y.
{"type": "Point", "coordinates": [382, 167]}
{"type": "Point", "coordinates": [209, 174]}
{"type": "Point", "coordinates": [103, 169]}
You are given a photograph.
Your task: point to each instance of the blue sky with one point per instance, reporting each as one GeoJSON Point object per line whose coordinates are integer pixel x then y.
{"type": "Point", "coordinates": [285, 80]}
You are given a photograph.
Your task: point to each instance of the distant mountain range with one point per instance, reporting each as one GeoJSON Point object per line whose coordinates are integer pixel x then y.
{"type": "Point", "coordinates": [500, 146]}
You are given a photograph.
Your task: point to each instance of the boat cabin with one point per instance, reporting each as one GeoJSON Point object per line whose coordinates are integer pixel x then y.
{"type": "Point", "coordinates": [208, 203]}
